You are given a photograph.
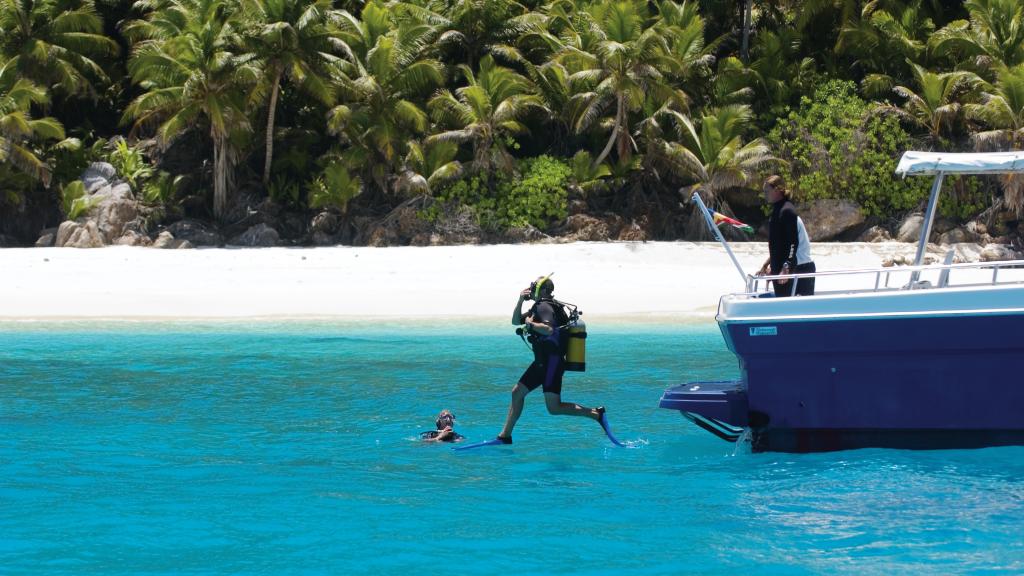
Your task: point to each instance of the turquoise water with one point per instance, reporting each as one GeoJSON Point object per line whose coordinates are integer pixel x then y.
{"type": "Point", "coordinates": [290, 448]}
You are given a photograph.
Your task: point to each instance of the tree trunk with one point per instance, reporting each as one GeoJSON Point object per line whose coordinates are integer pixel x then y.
{"type": "Point", "coordinates": [269, 158]}
{"type": "Point", "coordinates": [748, 8]}
{"type": "Point", "coordinates": [220, 178]}
{"type": "Point", "coordinates": [615, 132]}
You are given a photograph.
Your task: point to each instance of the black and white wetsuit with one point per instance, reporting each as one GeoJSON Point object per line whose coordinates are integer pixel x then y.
{"type": "Point", "coordinates": [788, 242]}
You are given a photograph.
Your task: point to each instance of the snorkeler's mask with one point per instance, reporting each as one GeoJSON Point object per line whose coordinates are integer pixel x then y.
{"type": "Point", "coordinates": [537, 285]}
{"type": "Point", "coordinates": [445, 420]}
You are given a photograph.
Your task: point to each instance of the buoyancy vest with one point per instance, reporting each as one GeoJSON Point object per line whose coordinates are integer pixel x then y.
{"type": "Point", "coordinates": [558, 340]}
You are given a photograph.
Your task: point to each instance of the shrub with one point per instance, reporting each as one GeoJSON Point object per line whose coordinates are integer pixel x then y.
{"type": "Point", "coordinates": [537, 195]}
{"type": "Point", "coordinates": [130, 164]}
{"type": "Point", "coordinates": [335, 187]}
{"type": "Point", "coordinates": [74, 200]}
{"type": "Point", "coordinates": [837, 149]}
{"type": "Point", "coordinates": [161, 189]}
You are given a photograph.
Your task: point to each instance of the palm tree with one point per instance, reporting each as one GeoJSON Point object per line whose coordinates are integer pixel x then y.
{"type": "Point", "coordinates": [617, 57]}
{"type": "Point", "coordinates": [191, 74]}
{"type": "Point", "coordinates": [994, 36]}
{"type": "Point", "coordinates": [429, 166]}
{"type": "Point", "coordinates": [1002, 110]}
{"type": "Point", "coordinates": [292, 40]}
{"type": "Point", "coordinates": [773, 79]}
{"type": "Point", "coordinates": [934, 106]}
{"type": "Point", "coordinates": [17, 128]}
{"type": "Point", "coordinates": [684, 32]}
{"type": "Point", "coordinates": [52, 42]}
{"type": "Point", "coordinates": [487, 113]}
{"type": "Point", "coordinates": [884, 39]}
{"type": "Point", "coordinates": [470, 28]}
{"type": "Point", "coordinates": [381, 85]}
{"type": "Point", "coordinates": [715, 157]}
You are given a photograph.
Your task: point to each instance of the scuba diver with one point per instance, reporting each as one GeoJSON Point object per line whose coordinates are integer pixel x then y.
{"type": "Point", "coordinates": [545, 323]}
{"type": "Point", "coordinates": [445, 432]}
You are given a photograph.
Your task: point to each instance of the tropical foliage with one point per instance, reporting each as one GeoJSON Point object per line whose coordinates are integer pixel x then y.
{"type": "Point", "coordinates": [513, 111]}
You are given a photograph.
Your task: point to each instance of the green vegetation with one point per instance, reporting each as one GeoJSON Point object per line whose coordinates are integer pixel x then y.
{"type": "Point", "coordinates": [535, 195]}
{"type": "Point", "coordinates": [507, 108]}
{"type": "Point", "coordinates": [837, 147]}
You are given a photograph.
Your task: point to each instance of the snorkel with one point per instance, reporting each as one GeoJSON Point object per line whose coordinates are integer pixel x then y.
{"type": "Point", "coordinates": [537, 285]}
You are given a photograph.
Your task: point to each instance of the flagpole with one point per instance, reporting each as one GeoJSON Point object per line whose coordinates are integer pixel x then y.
{"type": "Point", "coordinates": [718, 233]}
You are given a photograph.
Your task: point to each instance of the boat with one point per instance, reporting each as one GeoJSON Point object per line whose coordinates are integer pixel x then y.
{"type": "Point", "coordinates": [926, 356]}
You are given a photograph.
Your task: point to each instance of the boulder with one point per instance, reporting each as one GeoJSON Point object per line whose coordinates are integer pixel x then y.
{"type": "Point", "coordinates": [325, 223]}
{"type": "Point", "coordinates": [408, 221]}
{"type": "Point", "coordinates": [380, 236]}
{"type": "Point", "coordinates": [933, 254]}
{"type": "Point", "coordinates": [114, 212]}
{"type": "Point", "coordinates": [825, 219]}
{"type": "Point", "coordinates": [942, 225]}
{"type": "Point", "coordinates": [133, 238]}
{"type": "Point", "coordinates": [258, 235]}
{"type": "Point", "coordinates": [525, 234]}
{"type": "Point", "coordinates": [168, 242]}
{"type": "Point", "coordinates": [118, 191]}
{"type": "Point", "coordinates": [47, 238]}
{"type": "Point", "coordinates": [875, 234]}
{"type": "Point", "coordinates": [910, 228]}
{"type": "Point", "coordinates": [164, 240]}
{"type": "Point", "coordinates": [577, 206]}
{"type": "Point", "coordinates": [74, 235]}
{"type": "Point", "coordinates": [64, 232]}
{"type": "Point", "coordinates": [98, 175]}
{"type": "Point", "coordinates": [966, 252]}
{"type": "Point", "coordinates": [197, 233]}
{"type": "Point", "coordinates": [966, 233]}
{"type": "Point", "coordinates": [954, 236]}
{"type": "Point", "coordinates": [457, 225]}
{"type": "Point", "coordinates": [998, 252]}
{"type": "Point", "coordinates": [583, 227]}
{"type": "Point", "coordinates": [633, 233]}
{"type": "Point", "coordinates": [322, 239]}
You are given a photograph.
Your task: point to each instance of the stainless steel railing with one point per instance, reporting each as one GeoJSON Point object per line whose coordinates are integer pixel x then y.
{"type": "Point", "coordinates": [886, 274]}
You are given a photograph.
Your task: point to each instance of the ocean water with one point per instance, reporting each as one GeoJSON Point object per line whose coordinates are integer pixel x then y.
{"type": "Point", "coordinates": [291, 448]}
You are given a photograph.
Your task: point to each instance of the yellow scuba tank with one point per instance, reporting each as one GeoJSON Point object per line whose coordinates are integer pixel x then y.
{"type": "Point", "coordinates": [576, 354]}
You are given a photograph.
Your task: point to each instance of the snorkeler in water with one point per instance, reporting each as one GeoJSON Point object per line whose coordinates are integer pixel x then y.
{"type": "Point", "coordinates": [445, 432]}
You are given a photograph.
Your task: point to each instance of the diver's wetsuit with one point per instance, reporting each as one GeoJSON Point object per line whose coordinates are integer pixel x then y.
{"type": "Point", "coordinates": [787, 244]}
{"type": "Point", "coordinates": [548, 364]}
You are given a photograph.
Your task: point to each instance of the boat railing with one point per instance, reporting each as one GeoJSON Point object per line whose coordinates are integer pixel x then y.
{"type": "Point", "coordinates": [884, 276]}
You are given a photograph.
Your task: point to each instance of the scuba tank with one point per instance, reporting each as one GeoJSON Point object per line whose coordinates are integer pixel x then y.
{"type": "Point", "coordinates": [576, 353]}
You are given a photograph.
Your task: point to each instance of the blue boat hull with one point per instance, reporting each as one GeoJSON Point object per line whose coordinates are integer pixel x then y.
{"type": "Point", "coordinates": [950, 381]}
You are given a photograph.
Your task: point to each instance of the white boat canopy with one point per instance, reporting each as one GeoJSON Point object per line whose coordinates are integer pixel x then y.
{"type": "Point", "coordinates": [931, 163]}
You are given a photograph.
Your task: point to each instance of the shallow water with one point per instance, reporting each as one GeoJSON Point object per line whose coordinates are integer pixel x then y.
{"type": "Point", "coordinates": [290, 448]}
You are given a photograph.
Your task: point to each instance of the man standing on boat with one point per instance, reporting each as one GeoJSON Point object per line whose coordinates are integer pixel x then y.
{"type": "Point", "coordinates": [544, 324]}
{"type": "Point", "coordinates": [789, 249]}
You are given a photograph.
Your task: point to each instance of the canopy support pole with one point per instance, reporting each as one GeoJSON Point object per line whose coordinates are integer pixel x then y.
{"type": "Point", "coordinates": [926, 226]}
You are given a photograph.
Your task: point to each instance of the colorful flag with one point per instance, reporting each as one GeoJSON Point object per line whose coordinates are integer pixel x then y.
{"type": "Point", "coordinates": [723, 219]}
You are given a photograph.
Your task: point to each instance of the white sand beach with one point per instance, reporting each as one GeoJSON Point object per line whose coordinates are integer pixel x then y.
{"type": "Point", "coordinates": [628, 281]}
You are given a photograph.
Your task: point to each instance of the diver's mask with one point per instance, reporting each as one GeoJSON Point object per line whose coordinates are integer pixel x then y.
{"type": "Point", "coordinates": [537, 285]}
{"type": "Point", "coordinates": [445, 420]}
